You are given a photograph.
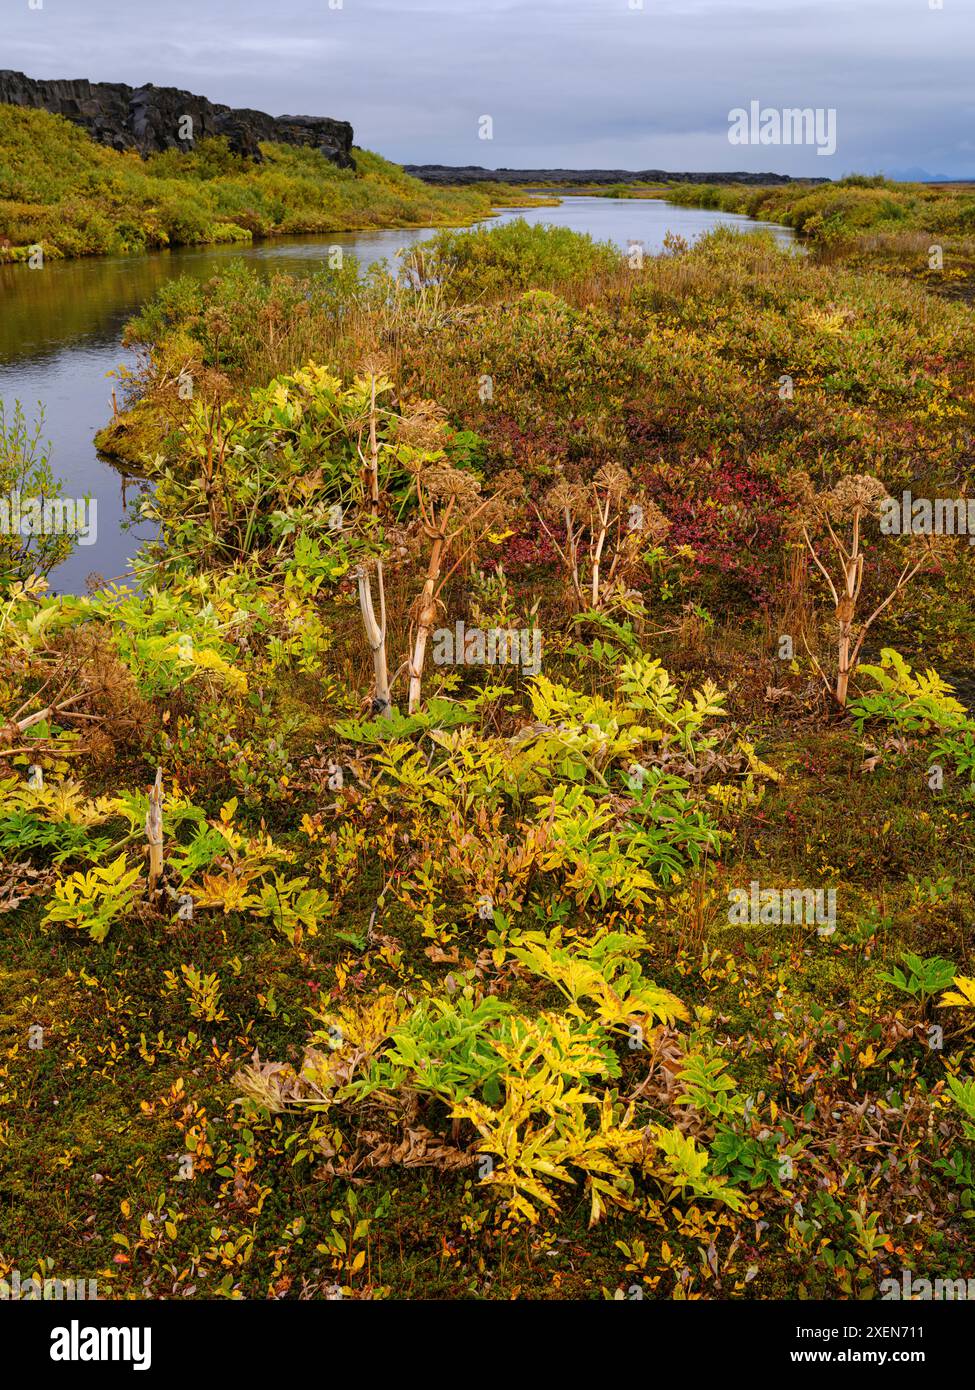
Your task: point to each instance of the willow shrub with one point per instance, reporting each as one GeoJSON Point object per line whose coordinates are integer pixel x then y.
{"type": "Point", "coordinates": [492, 261]}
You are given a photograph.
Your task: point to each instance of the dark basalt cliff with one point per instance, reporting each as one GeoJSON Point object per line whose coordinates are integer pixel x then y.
{"type": "Point", "coordinates": [150, 119]}
{"type": "Point", "coordinates": [474, 173]}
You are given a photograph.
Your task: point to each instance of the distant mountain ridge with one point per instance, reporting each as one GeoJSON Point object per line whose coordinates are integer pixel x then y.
{"type": "Point", "coordinates": [151, 119]}
{"type": "Point", "coordinates": [476, 173]}
{"type": "Point", "coordinates": [917, 175]}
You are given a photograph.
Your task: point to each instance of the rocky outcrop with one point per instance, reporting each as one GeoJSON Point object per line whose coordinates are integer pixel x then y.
{"type": "Point", "coordinates": [474, 173]}
{"type": "Point", "coordinates": [150, 119]}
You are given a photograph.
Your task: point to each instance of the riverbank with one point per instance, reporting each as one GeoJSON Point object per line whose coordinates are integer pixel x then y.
{"type": "Point", "coordinates": [65, 194]}
{"type": "Point", "coordinates": [851, 206]}
{"type": "Point", "coordinates": [926, 231]}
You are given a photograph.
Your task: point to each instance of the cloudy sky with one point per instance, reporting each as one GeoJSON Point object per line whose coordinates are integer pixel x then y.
{"type": "Point", "coordinates": [576, 83]}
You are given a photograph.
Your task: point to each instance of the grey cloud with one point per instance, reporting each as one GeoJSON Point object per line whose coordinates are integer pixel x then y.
{"type": "Point", "coordinates": [568, 82]}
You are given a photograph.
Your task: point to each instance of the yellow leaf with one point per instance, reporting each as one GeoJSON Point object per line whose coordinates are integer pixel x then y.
{"type": "Point", "coordinates": [963, 997]}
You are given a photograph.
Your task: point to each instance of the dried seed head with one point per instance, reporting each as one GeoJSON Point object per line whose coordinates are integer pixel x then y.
{"type": "Point", "coordinates": [614, 481]}
{"type": "Point", "coordinates": [375, 364]}
{"type": "Point", "coordinates": [858, 494]}
{"type": "Point", "coordinates": [423, 426]}
{"type": "Point", "coordinates": [655, 524]}
{"type": "Point", "coordinates": [573, 496]}
{"type": "Point", "coordinates": [441, 481]}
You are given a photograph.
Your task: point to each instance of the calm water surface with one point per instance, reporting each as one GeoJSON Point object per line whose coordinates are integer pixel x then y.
{"type": "Point", "coordinates": [60, 334]}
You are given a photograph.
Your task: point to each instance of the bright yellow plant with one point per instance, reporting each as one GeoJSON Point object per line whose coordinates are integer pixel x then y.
{"type": "Point", "coordinates": [96, 899]}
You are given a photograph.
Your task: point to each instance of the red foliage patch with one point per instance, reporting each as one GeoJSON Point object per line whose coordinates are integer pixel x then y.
{"type": "Point", "coordinates": [730, 514]}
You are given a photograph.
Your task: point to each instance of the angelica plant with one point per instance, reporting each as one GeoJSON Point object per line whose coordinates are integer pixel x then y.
{"type": "Point", "coordinates": [605, 528]}
{"type": "Point", "coordinates": [454, 517]}
{"type": "Point", "coordinates": [831, 524]}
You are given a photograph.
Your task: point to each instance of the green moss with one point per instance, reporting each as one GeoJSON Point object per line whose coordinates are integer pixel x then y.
{"type": "Point", "coordinates": [136, 436]}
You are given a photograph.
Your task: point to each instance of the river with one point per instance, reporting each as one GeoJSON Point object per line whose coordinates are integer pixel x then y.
{"type": "Point", "coordinates": [60, 335]}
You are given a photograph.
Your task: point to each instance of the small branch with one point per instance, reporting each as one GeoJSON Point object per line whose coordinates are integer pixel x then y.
{"type": "Point", "coordinates": [824, 571]}
{"type": "Point", "coordinates": [154, 832]}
